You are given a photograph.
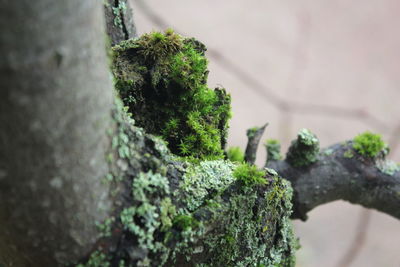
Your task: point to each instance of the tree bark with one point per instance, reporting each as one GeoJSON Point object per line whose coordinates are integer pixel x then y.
{"type": "Point", "coordinates": [341, 173]}
{"type": "Point", "coordinates": [55, 102]}
{"type": "Point", "coordinates": [119, 20]}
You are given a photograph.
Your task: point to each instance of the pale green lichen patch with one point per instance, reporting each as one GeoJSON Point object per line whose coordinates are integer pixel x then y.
{"type": "Point", "coordinates": [118, 12]}
{"type": "Point", "coordinates": [304, 150]}
{"type": "Point", "coordinates": [143, 218]}
{"type": "Point", "coordinates": [388, 167]}
{"type": "Point", "coordinates": [328, 151]}
{"type": "Point", "coordinates": [369, 144]}
{"type": "Point", "coordinates": [202, 180]}
{"type": "Point", "coordinates": [348, 154]}
{"type": "Point", "coordinates": [258, 222]}
{"type": "Point", "coordinates": [273, 148]}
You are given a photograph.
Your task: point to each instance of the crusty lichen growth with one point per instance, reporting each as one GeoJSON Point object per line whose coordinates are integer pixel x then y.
{"type": "Point", "coordinates": [304, 150]}
{"type": "Point", "coordinates": [253, 226]}
{"type": "Point", "coordinates": [162, 78]}
{"type": "Point", "coordinates": [369, 144]}
{"type": "Point", "coordinates": [175, 211]}
{"type": "Point", "coordinates": [192, 213]}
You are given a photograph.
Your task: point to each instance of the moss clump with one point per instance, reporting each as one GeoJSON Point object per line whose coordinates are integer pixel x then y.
{"type": "Point", "coordinates": [249, 175]}
{"type": "Point", "coordinates": [235, 154]}
{"type": "Point", "coordinates": [252, 131]}
{"type": "Point", "coordinates": [368, 144]}
{"type": "Point", "coordinates": [184, 222]}
{"type": "Point", "coordinates": [304, 150]}
{"type": "Point", "coordinates": [273, 148]}
{"type": "Point", "coordinates": [162, 78]}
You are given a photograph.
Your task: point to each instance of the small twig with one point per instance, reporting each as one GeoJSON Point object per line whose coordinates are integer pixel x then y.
{"type": "Point", "coordinates": [254, 136]}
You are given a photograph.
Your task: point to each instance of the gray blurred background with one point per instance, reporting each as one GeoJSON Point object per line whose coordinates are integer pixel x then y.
{"type": "Point", "coordinates": [330, 66]}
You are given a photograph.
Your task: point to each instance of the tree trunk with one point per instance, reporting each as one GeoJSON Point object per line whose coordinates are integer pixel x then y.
{"type": "Point", "coordinates": [55, 102]}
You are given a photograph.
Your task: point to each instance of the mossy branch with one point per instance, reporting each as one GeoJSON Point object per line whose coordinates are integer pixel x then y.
{"type": "Point", "coordinates": [355, 171]}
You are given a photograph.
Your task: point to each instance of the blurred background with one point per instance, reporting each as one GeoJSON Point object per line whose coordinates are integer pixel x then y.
{"type": "Point", "coordinates": [330, 66]}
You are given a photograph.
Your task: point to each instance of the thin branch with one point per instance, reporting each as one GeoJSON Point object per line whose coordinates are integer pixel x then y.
{"type": "Point", "coordinates": [254, 136]}
{"type": "Point", "coordinates": [341, 173]}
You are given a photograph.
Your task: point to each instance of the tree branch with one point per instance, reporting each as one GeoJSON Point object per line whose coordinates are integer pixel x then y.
{"type": "Point", "coordinates": [254, 136]}
{"type": "Point", "coordinates": [341, 173]}
{"type": "Point", "coordinates": [119, 20]}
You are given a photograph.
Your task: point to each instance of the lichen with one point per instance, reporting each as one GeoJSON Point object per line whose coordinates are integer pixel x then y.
{"type": "Point", "coordinates": [254, 227]}
{"type": "Point", "coordinates": [273, 148]}
{"type": "Point", "coordinates": [172, 210]}
{"type": "Point", "coordinates": [369, 144]}
{"type": "Point", "coordinates": [97, 259]}
{"type": "Point", "coordinates": [202, 180]}
{"type": "Point", "coordinates": [388, 167]}
{"type": "Point", "coordinates": [235, 154]}
{"type": "Point", "coordinates": [162, 78]}
{"type": "Point", "coordinates": [118, 12]}
{"type": "Point", "coordinates": [304, 150]}
{"type": "Point", "coordinates": [348, 154]}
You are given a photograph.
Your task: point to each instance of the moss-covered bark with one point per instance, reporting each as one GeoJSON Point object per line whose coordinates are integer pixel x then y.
{"type": "Point", "coordinates": [180, 213]}
{"type": "Point", "coordinates": [185, 207]}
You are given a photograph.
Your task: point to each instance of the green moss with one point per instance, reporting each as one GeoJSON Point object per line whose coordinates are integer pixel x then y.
{"type": "Point", "coordinates": [249, 175]}
{"type": "Point", "coordinates": [162, 78]}
{"type": "Point", "coordinates": [368, 144]}
{"type": "Point", "coordinates": [235, 154]}
{"type": "Point", "coordinates": [251, 132]}
{"type": "Point", "coordinates": [304, 150]}
{"type": "Point", "coordinates": [184, 222]}
{"type": "Point", "coordinates": [273, 148]}
{"type": "Point", "coordinates": [157, 45]}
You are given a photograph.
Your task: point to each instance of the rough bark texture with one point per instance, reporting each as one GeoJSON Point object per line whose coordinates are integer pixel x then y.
{"type": "Point", "coordinates": [340, 172]}
{"type": "Point", "coordinates": [119, 20]}
{"type": "Point", "coordinates": [180, 213]}
{"type": "Point", "coordinates": [55, 102]}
